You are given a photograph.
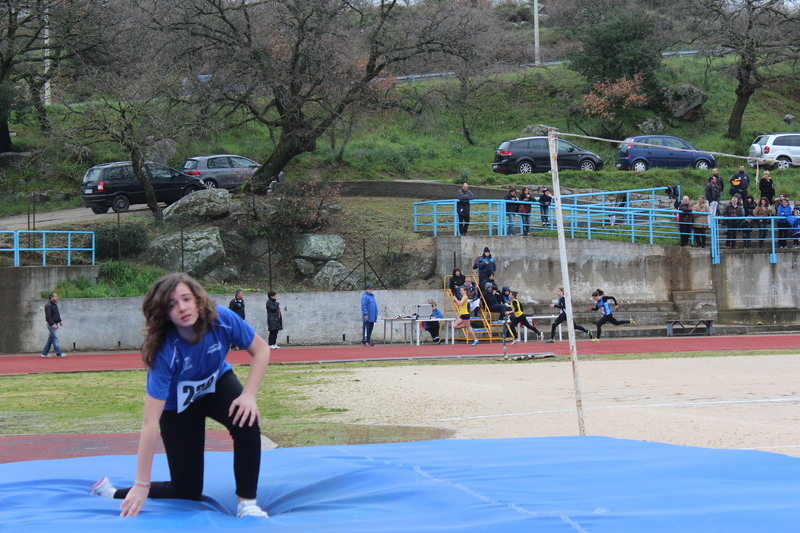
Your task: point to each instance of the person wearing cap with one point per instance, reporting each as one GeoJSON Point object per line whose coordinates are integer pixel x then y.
{"type": "Point", "coordinates": [544, 205]}
{"type": "Point", "coordinates": [485, 265]}
{"type": "Point", "coordinates": [369, 315]}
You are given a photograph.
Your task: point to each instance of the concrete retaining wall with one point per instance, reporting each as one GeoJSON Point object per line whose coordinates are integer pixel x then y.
{"type": "Point", "coordinates": [748, 289]}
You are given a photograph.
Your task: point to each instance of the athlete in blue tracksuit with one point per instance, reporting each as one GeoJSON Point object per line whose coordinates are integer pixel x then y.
{"type": "Point", "coordinates": [604, 305]}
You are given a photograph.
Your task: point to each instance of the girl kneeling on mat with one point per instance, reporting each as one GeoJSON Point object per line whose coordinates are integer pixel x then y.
{"type": "Point", "coordinates": [186, 341]}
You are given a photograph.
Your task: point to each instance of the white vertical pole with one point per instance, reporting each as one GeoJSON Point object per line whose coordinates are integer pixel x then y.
{"type": "Point", "coordinates": [537, 60]}
{"type": "Point", "coordinates": [562, 252]}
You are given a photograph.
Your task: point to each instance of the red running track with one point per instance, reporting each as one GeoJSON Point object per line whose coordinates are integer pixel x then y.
{"type": "Point", "coordinates": [83, 362]}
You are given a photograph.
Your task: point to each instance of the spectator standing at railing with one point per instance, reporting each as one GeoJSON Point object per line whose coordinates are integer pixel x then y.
{"type": "Point", "coordinates": [733, 209]}
{"type": "Point", "coordinates": [714, 192]}
{"type": "Point", "coordinates": [761, 216]}
{"type": "Point", "coordinates": [767, 186]}
{"type": "Point", "coordinates": [464, 197]}
{"type": "Point", "coordinates": [684, 220]}
{"type": "Point", "coordinates": [784, 210]}
{"type": "Point", "coordinates": [740, 182]}
{"type": "Point", "coordinates": [525, 209]}
{"type": "Point", "coordinates": [512, 208]}
{"type": "Point", "coordinates": [544, 205]}
{"type": "Point", "coordinates": [749, 207]}
{"type": "Point", "coordinates": [700, 218]}
{"type": "Point", "coordinates": [485, 265]}
{"type": "Point", "coordinates": [794, 222]}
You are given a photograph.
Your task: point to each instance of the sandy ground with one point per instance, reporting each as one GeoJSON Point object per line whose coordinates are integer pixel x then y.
{"type": "Point", "coordinates": [750, 402]}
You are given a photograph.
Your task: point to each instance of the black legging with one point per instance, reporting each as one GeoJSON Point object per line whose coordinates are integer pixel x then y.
{"type": "Point", "coordinates": [562, 317]}
{"type": "Point", "coordinates": [521, 319]}
{"type": "Point", "coordinates": [184, 440]}
{"type": "Point", "coordinates": [273, 337]}
{"type": "Point", "coordinates": [609, 318]}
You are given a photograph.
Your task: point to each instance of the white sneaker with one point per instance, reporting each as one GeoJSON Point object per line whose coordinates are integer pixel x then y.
{"type": "Point", "coordinates": [513, 342]}
{"type": "Point", "coordinates": [276, 347]}
{"type": "Point", "coordinates": [250, 508]}
{"type": "Point", "coordinates": [273, 347]}
{"type": "Point", "coordinates": [103, 488]}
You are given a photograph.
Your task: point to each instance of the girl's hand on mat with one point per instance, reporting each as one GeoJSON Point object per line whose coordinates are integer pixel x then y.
{"type": "Point", "coordinates": [246, 410]}
{"type": "Point", "coordinates": [134, 501]}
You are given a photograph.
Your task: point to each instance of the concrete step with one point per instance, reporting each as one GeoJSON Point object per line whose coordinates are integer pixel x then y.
{"type": "Point", "coordinates": [611, 331]}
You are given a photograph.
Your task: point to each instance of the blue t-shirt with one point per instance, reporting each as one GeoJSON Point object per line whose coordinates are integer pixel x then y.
{"type": "Point", "coordinates": [182, 372]}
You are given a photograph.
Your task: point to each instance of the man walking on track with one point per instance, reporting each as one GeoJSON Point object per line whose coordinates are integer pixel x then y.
{"type": "Point", "coordinates": [53, 318]}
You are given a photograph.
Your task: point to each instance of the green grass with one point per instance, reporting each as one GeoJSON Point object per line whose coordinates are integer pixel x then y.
{"type": "Point", "coordinates": [111, 402]}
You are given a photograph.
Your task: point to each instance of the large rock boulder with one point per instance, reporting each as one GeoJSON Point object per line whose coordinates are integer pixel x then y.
{"type": "Point", "coordinates": [162, 151]}
{"type": "Point", "coordinates": [207, 203]}
{"type": "Point", "coordinates": [333, 273]}
{"type": "Point", "coordinates": [201, 251]}
{"type": "Point", "coordinates": [319, 247]}
{"type": "Point", "coordinates": [685, 101]}
{"type": "Point", "coordinates": [538, 130]}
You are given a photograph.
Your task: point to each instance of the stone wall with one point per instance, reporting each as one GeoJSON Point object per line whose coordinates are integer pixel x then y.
{"type": "Point", "coordinates": [745, 288]}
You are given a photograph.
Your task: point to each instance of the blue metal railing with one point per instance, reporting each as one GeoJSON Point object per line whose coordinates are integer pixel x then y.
{"type": "Point", "coordinates": [611, 214]}
{"type": "Point", "coordinates": [45, 242]}
{"type": "Point", "coordinates": [442, 216]}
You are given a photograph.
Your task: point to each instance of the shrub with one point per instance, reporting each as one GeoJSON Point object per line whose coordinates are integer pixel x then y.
{"type": "Point", "coordinates": [125, 241]}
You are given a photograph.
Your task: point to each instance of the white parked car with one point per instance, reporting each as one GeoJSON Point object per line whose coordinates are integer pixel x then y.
{"type": "Point", "coordinates": [775, 150]}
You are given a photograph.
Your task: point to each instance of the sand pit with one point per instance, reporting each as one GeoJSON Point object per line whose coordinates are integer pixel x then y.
{"type": "Point", "coordinates": [750, 402]}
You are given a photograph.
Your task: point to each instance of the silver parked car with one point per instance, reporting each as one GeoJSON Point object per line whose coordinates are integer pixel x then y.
{"type": "Point", "coordinates": [223, 170]}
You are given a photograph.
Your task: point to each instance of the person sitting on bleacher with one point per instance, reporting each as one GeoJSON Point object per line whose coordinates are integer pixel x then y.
{"type": "Point", "coordinates": [456, 280]}
{"type": "Point", "coordinates": [494, 301]}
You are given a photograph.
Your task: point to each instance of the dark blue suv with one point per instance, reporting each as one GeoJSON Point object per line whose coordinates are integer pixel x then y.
{"type": "Point", "coordinates": [665, 152]}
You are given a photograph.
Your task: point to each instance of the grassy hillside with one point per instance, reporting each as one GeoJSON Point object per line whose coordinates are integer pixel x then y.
{"type": "Point", "coordinates": [430, 145]}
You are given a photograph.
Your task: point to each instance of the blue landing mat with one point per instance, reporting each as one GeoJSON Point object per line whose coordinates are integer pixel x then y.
{"type": "Point", "coordinates": [554, 484]}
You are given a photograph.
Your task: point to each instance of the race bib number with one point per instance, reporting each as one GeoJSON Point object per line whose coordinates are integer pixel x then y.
{"type": "Point", "coordinates": [189, 391]}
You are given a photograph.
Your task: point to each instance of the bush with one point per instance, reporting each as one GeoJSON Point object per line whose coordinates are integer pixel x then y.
{"type": "Point", "coordinates": [125, 241]}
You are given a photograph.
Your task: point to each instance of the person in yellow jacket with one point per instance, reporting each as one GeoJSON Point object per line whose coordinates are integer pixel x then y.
{"type": "Point", "coordinates": [520, 318]}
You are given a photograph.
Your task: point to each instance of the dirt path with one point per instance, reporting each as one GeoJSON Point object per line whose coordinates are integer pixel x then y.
{"type": "Point", "coordinates": [717, 402]}
{"type": "Point", "coordinates": [63, 216]}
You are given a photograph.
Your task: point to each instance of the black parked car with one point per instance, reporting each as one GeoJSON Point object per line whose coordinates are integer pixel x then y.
{"type": "Point", "coordinates": [114, 185]}
{"type": "Point", "coordinates": [531, 154]}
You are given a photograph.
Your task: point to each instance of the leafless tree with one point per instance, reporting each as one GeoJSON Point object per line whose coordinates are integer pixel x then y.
{"type": "Point", "coordinates": [761, 34]}
{"type": "Point", "coordinates": [297, 66]}
{"type": "Point", "coordinates": [36, 38]}
{"type": "Point", "coordinates": [134, 97]}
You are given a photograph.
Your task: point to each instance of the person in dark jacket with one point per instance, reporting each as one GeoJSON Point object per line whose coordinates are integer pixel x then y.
{"type": "Point", "coordinates": [456, 280]}
{"type": "Point", "coordinates": [733, 209]}
{"type": "Point", "coordinates": [740, 182]}
{"type": "Point", "coordinates": [525, 209]}
{"type": "Point", "coordinates": [561, 305]}
{"type": "Point", "coordinates": [544, 205]}
{"type": "Point", "coordinates": [512, 208]}
{"type": "Point", "coordinates": [462, 207]}
{"type": "Point", "coordinates": [767, 186]}
{"type": "Point", "coordinates": [714, 192]}
{"type": "Point", "coordinates": [237, 304]}
{"type": "Point", "coordinates": [274, 319]}
{"type": "Point", "coordinates": [53, 319]}
{"type": "Point", "coordinates": [684, 220]}
{"type": "Point", "coordinates": [485, 265]}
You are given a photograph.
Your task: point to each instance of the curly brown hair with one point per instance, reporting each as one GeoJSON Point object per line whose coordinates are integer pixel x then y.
{"type": "Point", "coordinates": [156, 313]}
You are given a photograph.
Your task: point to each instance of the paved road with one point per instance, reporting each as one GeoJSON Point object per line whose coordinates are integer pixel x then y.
{"type": "Point", "coordinates": [63, 216]}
